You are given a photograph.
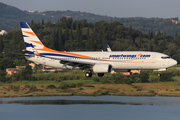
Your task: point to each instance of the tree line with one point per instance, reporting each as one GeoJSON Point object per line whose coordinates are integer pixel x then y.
{"type": "Point", "coordinates": [70, 35]}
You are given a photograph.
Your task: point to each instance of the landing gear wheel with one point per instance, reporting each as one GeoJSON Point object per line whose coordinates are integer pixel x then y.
{"type": "Point", "coordinates": [159, 74]}
{"type": "Point", "coordinates": [100, 74]}
{"type": "Point", "coordinates": [88, 74]}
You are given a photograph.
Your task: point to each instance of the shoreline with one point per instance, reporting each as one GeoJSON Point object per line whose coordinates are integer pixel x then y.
{"type": "Point", "coordinates": [167, 89]}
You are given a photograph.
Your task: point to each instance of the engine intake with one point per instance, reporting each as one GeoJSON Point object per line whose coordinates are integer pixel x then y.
{"type": "Point", "coordinates": [102, 68]}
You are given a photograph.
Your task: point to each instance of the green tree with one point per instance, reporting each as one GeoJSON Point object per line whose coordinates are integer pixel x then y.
{"type": "Point", "coordinates": [61, 41]}
{"type": "Point", "coordinates": [140, 42]}
{"type": "Point", "coordinates": [55, 41]}
{"type": "Point", "coordinates": [118, 78]}
{"type": "Point", "coordinates": [79, 38]}
{"type": "Point", "coordinates": [42, 21]}
{"type": "Point", "coordinates": [3, 76]}
{"type": "Point", "coordinates": [1, 44]}
{"type": "Point", "coordinates": [144, 77]}
{"type": "Point", "coordinates": [26, 73]}
{"type": "Point", "coordinates": [6, 63]}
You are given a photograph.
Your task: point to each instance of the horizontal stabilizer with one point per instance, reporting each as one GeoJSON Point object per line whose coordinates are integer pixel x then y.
{"type": "Point", "coordinates": [20, 54]}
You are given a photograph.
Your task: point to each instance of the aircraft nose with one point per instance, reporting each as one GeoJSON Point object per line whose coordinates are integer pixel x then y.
{"type": "Point", "coordinates": [174, 62]}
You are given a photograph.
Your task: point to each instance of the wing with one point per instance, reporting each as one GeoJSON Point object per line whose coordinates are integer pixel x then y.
{"type": "Point", "coordinates": [81, 64]}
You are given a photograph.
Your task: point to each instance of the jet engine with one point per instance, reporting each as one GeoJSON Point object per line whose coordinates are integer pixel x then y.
{"type": "Point", "coordinates": [102, 68]}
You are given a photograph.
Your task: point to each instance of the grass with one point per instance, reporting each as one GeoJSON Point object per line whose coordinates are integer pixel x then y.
{"type": "Point", "coordinates": [80, 81]}
{"type": "Point", "coordinates": [87, 88]}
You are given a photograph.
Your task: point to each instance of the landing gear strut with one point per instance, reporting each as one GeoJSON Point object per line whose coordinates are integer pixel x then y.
{"type": "Point", "coordinates": [88, 74]}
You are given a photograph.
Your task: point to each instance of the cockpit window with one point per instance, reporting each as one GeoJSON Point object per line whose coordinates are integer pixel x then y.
{"type": "Point", "coordinates": [165, 57]}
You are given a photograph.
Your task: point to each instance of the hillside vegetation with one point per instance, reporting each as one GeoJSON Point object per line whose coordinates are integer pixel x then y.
{"type": "Point", "coordinates": [11, 16]}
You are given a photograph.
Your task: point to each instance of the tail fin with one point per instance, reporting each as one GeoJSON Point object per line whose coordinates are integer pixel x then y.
{"type": "Point", "coordinates": [108, 48]}
{"type": "Point", "coordinates": [31, 41]}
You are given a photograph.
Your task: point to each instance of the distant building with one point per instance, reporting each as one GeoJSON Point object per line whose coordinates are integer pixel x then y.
{"type": "Point", "coordinates": [20, 67]}
{"type": "Point", "coordinates": [47, 69]}
{"type": "Point", "coordinates": [3, 32]}
{"type": "Point", "coordinates": [126, 73]}
{"type": "Point", "coordinates": [176, 21]}
{"type": "Point", "coordinates": [135, 71]}
{"type": "Point", "coordinates": [10, 71]}
{"type": "Point", "coordinates": [33, 65]}
{"type": "Point", "coordinates": [67, 16]}
{"type": "Point", "coordinates": [31, 11]}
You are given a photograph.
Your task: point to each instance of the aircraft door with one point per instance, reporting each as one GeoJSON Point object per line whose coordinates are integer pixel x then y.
{"type": "Point", "coordinates": [153, 59]}
{"type": "Point", "coordinates": [44, 61]}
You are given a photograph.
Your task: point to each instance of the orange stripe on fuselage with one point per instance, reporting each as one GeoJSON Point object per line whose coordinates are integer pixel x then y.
{"type": "Point", "coordinates": [66, 53]}
{"type": "Point", "coordinates": [31, 33]}
{"type": "Point", "coordinates": [83, 56]}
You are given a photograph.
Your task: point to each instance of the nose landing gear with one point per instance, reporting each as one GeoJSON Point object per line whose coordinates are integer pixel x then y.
{"type": "Point", "coordinates": [159, 74]}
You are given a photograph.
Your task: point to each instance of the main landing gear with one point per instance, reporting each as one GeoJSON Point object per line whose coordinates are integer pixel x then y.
{"type": "Point", "coordinates": [100, 74]}
{"type": "Point", "coordinates": [89, 74]}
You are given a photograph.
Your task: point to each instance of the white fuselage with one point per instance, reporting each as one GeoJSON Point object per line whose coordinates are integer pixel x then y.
{"type": "Point", "coordinates": [118, 60]}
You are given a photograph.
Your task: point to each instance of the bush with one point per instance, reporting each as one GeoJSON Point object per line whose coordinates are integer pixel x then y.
{"type": "Point", "coordinates": [166, 76]}
{"type": "Point", "coordinates": [154, 78]}
{"type": "Point", "coordinates": [118, 78]}
{"type": "Point", "coordinates": [64, 85]}
{"type": "Point", "coordinates": [33, 88]}
{"type": "Point", "coordinates": [176, 78]}
{"type": "Point", "coordinates": [79, 84]}
{"type": "Point", "coordinates": [105, 81]}
{"type": "Point", "coordinates": [50, 87]}
{"type": "Point", "coordinates": [96, 79]}
{"type": "Point", "coordinates": [144, 76]}
{"type": "Point", "coordinates": [88, 86]}
{"type": "Point", "coordinates": [27, 86]}
{"type": "Point", "coordinates": [176, 89]}
{"type": "Point", "coordinates": [15, 88]}
{"type": "Point", "coordinates": [26, 73]}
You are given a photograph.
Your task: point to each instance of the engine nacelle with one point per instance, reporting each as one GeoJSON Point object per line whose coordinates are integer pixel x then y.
{"type": "Point", "coordinates": [102, 68]}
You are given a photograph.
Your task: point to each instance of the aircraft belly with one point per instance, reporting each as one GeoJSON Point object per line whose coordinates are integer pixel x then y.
{"type": "Point", "coordinates": [115, 64]}
{"type": "Point", "coordinates": [132, 65]}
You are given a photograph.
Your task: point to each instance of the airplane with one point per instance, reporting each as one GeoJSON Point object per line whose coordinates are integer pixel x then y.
{"type": "Point", "coordinates": [94, 61]}
{"type": "Point", "coordinates": [108, 48]}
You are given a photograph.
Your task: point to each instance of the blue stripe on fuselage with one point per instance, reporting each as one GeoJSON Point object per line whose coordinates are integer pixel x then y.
{"type": "Point", "coordinates": [52, 54]}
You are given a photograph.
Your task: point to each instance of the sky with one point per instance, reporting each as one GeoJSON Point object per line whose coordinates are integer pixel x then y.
{"type": "Point", "coordinates": [113, 8]}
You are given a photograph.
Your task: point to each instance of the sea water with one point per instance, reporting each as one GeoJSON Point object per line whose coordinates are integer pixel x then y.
{"type": "Point", "coordinates": [117, 108]}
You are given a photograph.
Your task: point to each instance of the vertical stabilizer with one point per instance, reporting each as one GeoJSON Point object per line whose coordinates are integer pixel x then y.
{"type": "Point", "coordinates": [31, 41]}
{"type": "Point", "coordinates": [108, 48]}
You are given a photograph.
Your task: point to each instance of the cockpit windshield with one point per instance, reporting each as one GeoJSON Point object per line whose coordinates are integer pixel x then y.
{"type": "Point", "coordinates": [165, 57]}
